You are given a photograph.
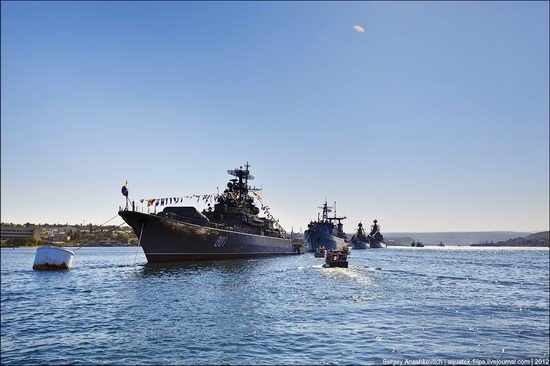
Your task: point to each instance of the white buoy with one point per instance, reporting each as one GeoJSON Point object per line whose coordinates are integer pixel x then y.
{"type": "Point", "coordinates": [53, 258]}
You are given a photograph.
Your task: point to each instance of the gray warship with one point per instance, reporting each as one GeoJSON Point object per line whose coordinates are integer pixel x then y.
{"type": "Point", "coordinates": [324, 232]}
{"type": "Point", "coordinates": [359, 240]}
{"type": "Point", "coordinates": [375, 238]}
{"type": "Point", "coordinates": [232, 229]}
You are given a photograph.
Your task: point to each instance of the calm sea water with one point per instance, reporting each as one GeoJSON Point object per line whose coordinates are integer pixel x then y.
{"type": "Point", "coordinates": [395, 303]}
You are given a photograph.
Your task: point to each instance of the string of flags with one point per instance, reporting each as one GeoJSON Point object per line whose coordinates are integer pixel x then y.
{"type": "Point", "coordinates": [173, 200]}
{"type": "Point", "coordinates": [265, 209]}
{"type": "Point", "coordinates": [209, 198]}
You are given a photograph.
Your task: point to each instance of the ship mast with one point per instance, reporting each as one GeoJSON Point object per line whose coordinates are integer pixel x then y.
{"type": "Point", "coordinates": [336, 218]}
{"type": "Point", "coordinates": [246, 178]}
{"type": "Point", "coordinates": [326, 209]}
{"type": "Point", "coordinates": [241, 185]}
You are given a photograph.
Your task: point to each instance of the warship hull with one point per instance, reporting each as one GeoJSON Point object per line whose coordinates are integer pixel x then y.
{"type": "Point", "coordinates": [358, 244]}
{"type": "Point", "coordinates": [168, 240]}
{"type": "Point", "coordinates": [316, 238]}
{"type": "Point", "coordinates": [377, 244]}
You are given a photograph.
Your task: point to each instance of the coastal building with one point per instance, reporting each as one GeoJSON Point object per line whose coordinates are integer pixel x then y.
{"type": "Point", "coordinates": [18, 233]}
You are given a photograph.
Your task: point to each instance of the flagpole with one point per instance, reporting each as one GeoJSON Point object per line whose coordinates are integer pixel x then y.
{"type": "Point", "coordinates": [126, 196]}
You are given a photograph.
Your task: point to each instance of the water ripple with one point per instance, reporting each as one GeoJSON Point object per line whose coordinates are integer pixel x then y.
{"type": "Point", "coordinates": [390, 303]}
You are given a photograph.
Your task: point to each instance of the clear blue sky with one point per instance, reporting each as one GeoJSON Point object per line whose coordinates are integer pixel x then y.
{"type": "Point", "coordinates": [434, 119]}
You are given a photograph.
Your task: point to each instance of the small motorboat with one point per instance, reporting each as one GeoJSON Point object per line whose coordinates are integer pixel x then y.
{"type": "Point", "coordinates": [336, 258]}
{"type": "Point", "coordinates": [320, 252]}
{"type": "Point", "coordinates": [53, 258]}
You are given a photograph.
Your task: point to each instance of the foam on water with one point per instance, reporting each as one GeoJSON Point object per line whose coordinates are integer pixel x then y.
{"type": "Point", "coordinates": [353, 273]}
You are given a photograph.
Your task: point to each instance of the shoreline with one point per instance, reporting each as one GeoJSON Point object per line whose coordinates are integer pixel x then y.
{"type": "Point", "coordinates": [429, 247]}
{"type": "Point", "coordinates": [67, 246]}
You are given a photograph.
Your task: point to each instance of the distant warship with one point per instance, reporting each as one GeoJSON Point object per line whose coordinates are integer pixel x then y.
{"type": "Point", "coordinates": [375, 238]}
{"type": "Point", "coordinates": [359, 240]}
{"type": "Point", "coordinates": [324, 233]}
{"type": "Point", "coordinates": [232, 229]}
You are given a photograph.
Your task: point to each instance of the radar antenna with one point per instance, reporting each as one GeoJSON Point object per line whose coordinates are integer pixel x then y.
{"type": "Point", "coordinates": [241, 173]}
{"type": "Point", "coordinates": [240, 185]}
{"type": "Point", "coordinates": [254, 189]}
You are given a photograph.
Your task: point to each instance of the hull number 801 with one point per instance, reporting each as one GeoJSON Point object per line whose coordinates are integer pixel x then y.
{"type": "Point", "coordinates": [220, 242]}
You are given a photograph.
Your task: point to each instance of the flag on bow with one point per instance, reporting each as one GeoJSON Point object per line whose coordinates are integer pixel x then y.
{"type": "Point", "coordinates": [124, 189]}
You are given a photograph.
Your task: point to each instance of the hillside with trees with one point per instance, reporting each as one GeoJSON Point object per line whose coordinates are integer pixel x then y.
{"type": "Point", "coordinates": [541, 239]}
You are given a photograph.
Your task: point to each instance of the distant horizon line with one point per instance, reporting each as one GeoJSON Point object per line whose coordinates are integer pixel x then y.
{"type": "Point", "coordinates": [386, 232]}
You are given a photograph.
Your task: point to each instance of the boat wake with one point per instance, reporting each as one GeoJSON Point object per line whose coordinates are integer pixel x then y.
{"type": "Point", "coordinates": [356, 274]}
